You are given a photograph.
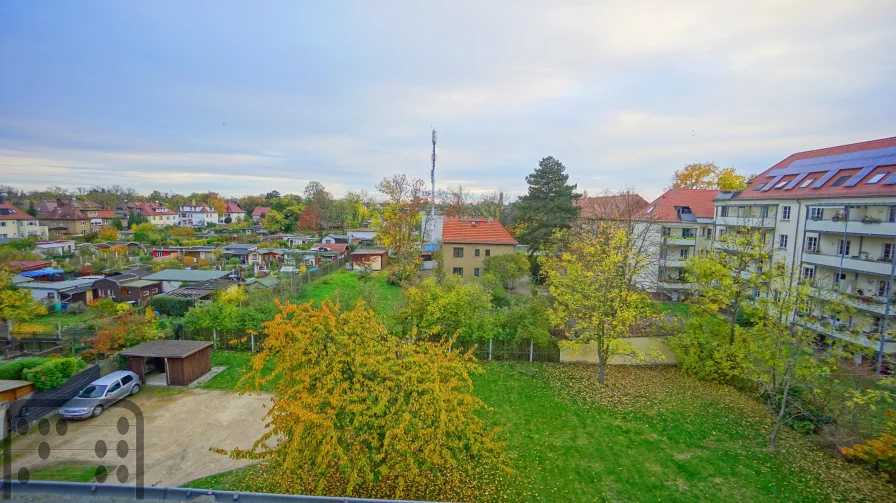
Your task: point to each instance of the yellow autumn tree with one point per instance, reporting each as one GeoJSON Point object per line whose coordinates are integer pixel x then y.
{"type": "Point", "coordinates": [592, 274]}
{"type": "Point", "coordinates": [108, 234]}
{"type": "Point", "coordinates": [359, 412]}
{"type": "Point", "coordinates": [707, 175]}
{"type": "Point", "coordinates": [17, 304]}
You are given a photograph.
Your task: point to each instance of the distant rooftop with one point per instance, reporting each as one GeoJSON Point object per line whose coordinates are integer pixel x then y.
{"type": "Point", "coordinates": [185, 275]}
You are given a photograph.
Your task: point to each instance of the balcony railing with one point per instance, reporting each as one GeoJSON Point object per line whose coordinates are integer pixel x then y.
{"type": "Point", "coordinates": [854, 335]}
{"type": "Point", "coordinates": [866, 225]}
{"type": "Point", "coordinates": [853, 263]}
{"type": "Point", "coordinates": [870, 303]}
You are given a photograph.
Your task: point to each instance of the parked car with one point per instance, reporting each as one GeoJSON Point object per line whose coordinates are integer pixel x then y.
{"type": "Point", "coordinates": [102, 393]}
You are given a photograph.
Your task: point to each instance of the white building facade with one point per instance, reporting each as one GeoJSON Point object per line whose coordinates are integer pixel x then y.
{"type": "Point", "coordinates": [196, 216]}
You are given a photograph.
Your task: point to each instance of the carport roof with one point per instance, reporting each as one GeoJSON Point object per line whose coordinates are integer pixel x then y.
{"type": "Point", "coordinates": [166, 349]}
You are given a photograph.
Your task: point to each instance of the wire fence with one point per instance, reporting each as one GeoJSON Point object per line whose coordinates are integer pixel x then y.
{"type": "Point", "coordinates": [521, 351]}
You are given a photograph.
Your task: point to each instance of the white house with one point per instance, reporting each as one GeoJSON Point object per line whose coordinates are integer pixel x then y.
{"type": "Point", "coordinates": [196, 216]}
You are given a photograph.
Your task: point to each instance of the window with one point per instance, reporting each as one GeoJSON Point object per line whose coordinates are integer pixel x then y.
{"type": "Point", "coordinates": [782, 241]}
{"type": "Point", "coordinates": [683, 253]}
{"type": "Point", "coordinates": [785, 212]}
{"type": "Point", "coordinates": [876, 178]}
{"type": "Point", "coordinates": [127, 379]}
{"type": "Point", "coordinates": [838, 182]}
{"type": "Point", "coordinates": [808, 273]}
{"type": "Point", "coordinates": [458, 270]}
{"type": "Point", "coordinates": [759, 187]}
{"type": "Point", "coordinates": [888, 251]}
{"type": "Point", "coordinates": [781, 185]}
{"type": "Point", "coordinates": [650, 209]}
{"type": "Point", "coordinates": [816, 213]}
{"type": "Point", "coordinates": [112, 389]}
{"type": "Point", "coordinates": [891, 215]}
{"type": "Point", "coordinates": [488, 253]}
{"type": "Point", "coordinates": [475, 271]}
{"type": "Point", "coordinates": [763, 212]}
{"type": "Point", "coordinates": [458, 252]}
{"type": "Point", "coordinates": [724, 211]}
{"type": "Point", "coordinates": [155, 290]}
{"type": "Point", "coordinates": [843, 250]}
{"type": "Point", "coordinates": [883, 288]}
{"type": "Point", "coordinates": [82, 222]}
{"type": "Point", "coordinates": [145, 293]}
{"type": "Point", "coordinates": [476, 252]}
{"type": "Point", "coordinates": [838, 277]}
{"type": "Point", "coordinates": [806, 183]}
{"type": "Point", "coordinates": [812, 244]}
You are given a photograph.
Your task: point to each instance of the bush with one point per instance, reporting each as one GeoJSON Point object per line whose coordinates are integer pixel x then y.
{"type": "Point", "coordinates": [53, 373]}
{"type": "Point", "coordinates": [88, 355]}
{"type": "Point", "coordinates": [77, 307]}
{"type": "Point", "coordinates": [13, 370]}
{"type": "Point", "coordinates": [703, 350]}
{"type": "Point", "coordinates": [171, 306]}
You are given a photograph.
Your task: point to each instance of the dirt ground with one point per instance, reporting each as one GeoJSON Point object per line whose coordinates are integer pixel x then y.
{"type": "Point", "coordinates": [180, 428]}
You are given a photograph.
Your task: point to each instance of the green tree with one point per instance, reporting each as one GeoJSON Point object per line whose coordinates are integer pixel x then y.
{"type": "Point", "coordinates": [732, 274]}
{"type": "Point", "coordinates": [17, 304]}
{"type": "Point", "coordinates": [508, 268]}
{"type": "Point", "coordinates": [448, 308]}
{"type": "Point", "coordinates": [377, 417]}
{"type": "Point", "coordinates": [548, 205]}
{"type": "Point", "coordinates": [399, 223]}
{"type": "Point", "coordinates": [274, 221]}
{"type": "Point", "coordinates": [591, 274]}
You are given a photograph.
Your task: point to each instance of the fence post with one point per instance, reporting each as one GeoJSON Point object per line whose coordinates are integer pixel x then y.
{"type": "Point", "coordinates": [531, 348]}
{"type": "Point", "coordinates": [215, 338]}
{"type": "Point", "coordinates": [58, 330]}
{"type": "Point", "coordinates": [490, 343]}
{"type": "Point", "coordinates": [252, 339]}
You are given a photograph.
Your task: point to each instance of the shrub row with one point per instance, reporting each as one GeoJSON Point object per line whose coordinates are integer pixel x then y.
{"type": "Point", "coordinates": [171, 306]}
{"type": "Point", "coordinates": [53, 373]}
{"type": "Point", "coordinates": [13, 370]}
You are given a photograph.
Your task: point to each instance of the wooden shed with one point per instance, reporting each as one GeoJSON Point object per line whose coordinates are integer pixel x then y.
{"type": "Point", "coordinates": [372, 258]}
{"type": "Point", "coordinates": [182, 362]}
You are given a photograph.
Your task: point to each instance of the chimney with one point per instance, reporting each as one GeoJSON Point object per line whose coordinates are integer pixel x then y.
{"type": "Point", "coordinates": [3, 198]}
{"type": "Point", "coordinates": [491, 220]}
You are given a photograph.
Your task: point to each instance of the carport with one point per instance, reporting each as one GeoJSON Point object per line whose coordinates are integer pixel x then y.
{"type": "Point", "coordinates": [181, 362]}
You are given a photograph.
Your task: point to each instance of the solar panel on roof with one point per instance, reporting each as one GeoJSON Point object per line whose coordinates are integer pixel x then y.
{"type": "Point", "coordinates": [867, 160]}
{"type": "Point", "coordinates": [891, 180]}
{"type": "Point", "coordinates": [838, 182]}
{"type": "Point", "coordinates": [758, 187]}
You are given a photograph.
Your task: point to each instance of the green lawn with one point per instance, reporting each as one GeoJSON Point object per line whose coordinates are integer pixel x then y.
{"type": "Point", "coordinates": [49, 320]}
{"type": "Point", "coordinates": [66, 473]}
{"type": "Point", "coordinates": [345, 287]}
{"type": "Point", "coordinates": [677, 308]}
{"type": "Point", "coordinates": [236, 362]}
{"type": "Point", "coordinates": [650, 434]}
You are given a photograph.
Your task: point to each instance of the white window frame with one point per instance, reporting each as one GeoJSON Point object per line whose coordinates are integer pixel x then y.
{"type": "Point", "coordinates": [785, 212]}
{"type": "Point", "coordinates": [782, 241]}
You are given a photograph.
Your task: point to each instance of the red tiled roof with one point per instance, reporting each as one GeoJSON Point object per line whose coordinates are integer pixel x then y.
{"type": "Point", "coordinates": [610, 207]}
{"type": "Point", "coordinates": [28, 265]}
{"type": "Point", "coordinates": [261, 211]}
{"type": "Point", "coordinates": [153, 209]}
{"type": "Point", "coordinates": [475, 231]}
{"type": "Point", "coordinates": [860, 189]}
{"type": "Point", "coordinates": [700, 201]}
{"type": "Point", "coordinates": [64, 212]}
{"type": "Point", "coordinates": [10, 212]}
{"type": "Point", "coordinates": [234, 208]}
{"type": "Point", "coordinates": [104, 213]}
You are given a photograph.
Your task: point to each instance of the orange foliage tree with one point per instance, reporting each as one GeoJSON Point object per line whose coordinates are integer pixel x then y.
{"type": "Point", "coordinates": [878, 452]}
{"type": "Point", "coordinates": [124, 331]}
{"type": "Point", "coordinates": [360, 412]}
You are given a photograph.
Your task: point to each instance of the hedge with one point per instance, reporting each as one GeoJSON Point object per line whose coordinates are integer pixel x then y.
{"type": "Point", "coordinates": [53, 373]}
{"type": "Point", "coordinates": [171, 306]}
{"type": "Point", "coordinates": [13, 370]}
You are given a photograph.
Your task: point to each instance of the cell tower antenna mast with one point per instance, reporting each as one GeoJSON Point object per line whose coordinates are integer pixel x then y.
{"type": "Point", "coordinates": [432, 176]}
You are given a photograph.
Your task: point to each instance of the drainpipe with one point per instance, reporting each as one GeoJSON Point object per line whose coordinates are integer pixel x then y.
{"type": "Point", "coordinates": [883, 324]}
{"type": "Point", "coordinates": [843, 251]}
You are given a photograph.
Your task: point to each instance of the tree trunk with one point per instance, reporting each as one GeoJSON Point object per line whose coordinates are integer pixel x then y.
{"type": "Point", "coordinates": [780, 419]}
{"type": "Point", "coordinates": [601, 370]}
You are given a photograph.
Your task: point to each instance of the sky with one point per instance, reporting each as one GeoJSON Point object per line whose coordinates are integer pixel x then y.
{"type": "Point", "coordinates": [248, 97]}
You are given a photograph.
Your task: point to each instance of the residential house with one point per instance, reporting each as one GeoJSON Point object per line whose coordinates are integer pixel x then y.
{"type": "Point", "coordinates": [65, 219]}
{"type": "Point", "coordinates": [127, 286]}
{"type": "Point", "coordinates": [831, 213]}
{"type": "Point", "coordinates": [467, 242]}
{"type": "Point", "coordinates": [234, 213]}
{"type": "Point", "coordinates": [626, 206]}
{"type": "Point", "coordinates": [55, 248]}
{"type": "Point", "coordinates": [49, 205]}
{"type": "Point", "coordinates": [156, 213]}
{"type": "Point", "coordinates": [373, 258]}
{"type": "Point", "coordinates": [259, 213]}
{"type": "Point", "coordinates": [240, 251]}
{"type": "Point", "coordinates": [197, 215]}
{"type": "Point", "coordinates": [16, 224]}
{"type": "Point", "coordinates": [673, 228]}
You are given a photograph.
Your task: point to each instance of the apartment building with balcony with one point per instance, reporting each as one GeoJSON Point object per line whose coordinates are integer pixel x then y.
{"type": "Point", "coordinates": [831, 213]}
{"type": "Point", "coordinates": [675, 227]}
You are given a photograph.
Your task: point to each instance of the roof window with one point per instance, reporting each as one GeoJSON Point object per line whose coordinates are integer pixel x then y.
{"type": "Point", "coordinates": [876, 178]}
{"type": "Point", "coordinates": [806, 183]}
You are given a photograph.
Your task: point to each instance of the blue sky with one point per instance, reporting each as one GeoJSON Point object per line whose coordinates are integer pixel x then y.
{"type": "Point", "coordinates": [247, 97]}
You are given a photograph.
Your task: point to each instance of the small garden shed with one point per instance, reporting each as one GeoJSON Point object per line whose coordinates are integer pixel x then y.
{"type": "Point", "coordinates": [182, 362]}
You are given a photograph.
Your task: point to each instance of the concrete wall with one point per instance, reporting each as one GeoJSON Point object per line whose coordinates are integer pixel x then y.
{"type": "Point", "coordinates": [646, 345]}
